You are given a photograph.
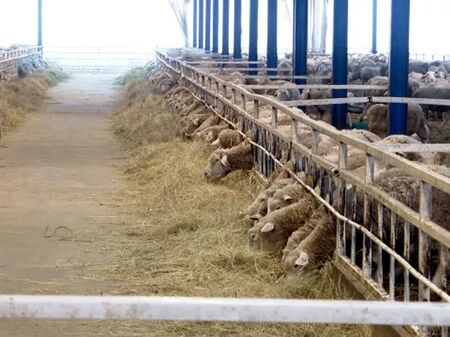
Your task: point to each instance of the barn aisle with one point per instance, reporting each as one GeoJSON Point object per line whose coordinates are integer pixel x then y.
{"type": "Point", "coordinates": [59, 174]}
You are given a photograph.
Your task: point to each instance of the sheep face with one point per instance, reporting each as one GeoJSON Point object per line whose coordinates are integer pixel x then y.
{"type": "Point", "coordinates": [253, 238]}
{"type": "Point", "coordinates": [218, 166]}
{"type": "Point", "coordinates": [272, 240]}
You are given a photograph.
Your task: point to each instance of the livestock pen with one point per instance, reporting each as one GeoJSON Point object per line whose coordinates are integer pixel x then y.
{"type": "Point", "coordinates": [392, 235]}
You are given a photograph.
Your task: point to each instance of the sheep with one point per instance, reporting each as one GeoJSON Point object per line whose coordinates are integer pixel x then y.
{"type": "Point", "coordinates": [406, 189]}
{"type": "Point", "coordinates": [223, 161]}
{"type": "Point", "coordinates": [192, 122]}
{"type": "Point", "coordinates": [271, 233]}
{"type": "Point", "coordinates": [228, 138]}
{"type": "Point", "coordinates": [210, 134]}
{"type": "Point", "coordinates": [210, 121]}
{"type": "Point", "coordinates": [291, 252]}
{"type": "Point", "coordinates": [288, 92]}
{"type": "Point", "coordinates": [316, 248]}
{"type": "Point", "coordinates": [377, 116]}
{"type": "Point", "coordinates": [286, 196]}
{"type": "Point", "coordinates": [258, 208]}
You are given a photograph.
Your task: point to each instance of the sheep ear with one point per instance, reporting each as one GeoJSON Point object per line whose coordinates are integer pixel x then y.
{"type": "Point", "coordinates": [197, 121]}
{"type": "Point", "coordinates": [287, 198]}
{"type": "Point", "coordinates": [224, 160]}
{"type": "Point", "coordinates": [268, 227]}
{"type": "Point", "coordinates": [302, 260]}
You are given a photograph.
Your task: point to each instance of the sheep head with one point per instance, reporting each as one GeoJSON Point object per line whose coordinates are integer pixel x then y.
{"type": "Point", "coordinates": [218, 166]}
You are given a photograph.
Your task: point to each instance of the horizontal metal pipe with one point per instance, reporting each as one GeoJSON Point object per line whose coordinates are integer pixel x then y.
{"type": "Point", "coordinates": [224, 309]}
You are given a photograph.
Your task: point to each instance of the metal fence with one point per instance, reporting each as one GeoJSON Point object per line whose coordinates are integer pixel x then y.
{"type": "Point", "coordinates": [10, 59]}
{"type": "Point", "coordinates": [389, 250]}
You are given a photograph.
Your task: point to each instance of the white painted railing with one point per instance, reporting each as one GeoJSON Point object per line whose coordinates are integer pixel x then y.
{"type": "Point", "coordinates": [223, 310]}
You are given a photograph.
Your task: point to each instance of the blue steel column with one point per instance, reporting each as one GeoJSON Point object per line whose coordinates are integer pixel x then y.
{"type": "Point", "coordinates": [399, 64]}
{"type": "Point", "coordinates": [226, 27]}
{"type": "Point", "coordinates": [300, 43]}
{"type": "Point", "coordinates": [340, 56]}
{"type": "Point", "coordinates": [374, 26]}
{"type": "Point", "coordinates": [237, 48]}
{"type": "Point", "coordinates": [215, 30]}
{"type": "Point", "coordinates": [194, 28]}
{"type": "Point", "coordinates": [272, 32]}
{"type": "Point", "coordinates": [40, 23]}
{"type": "Point", "coordinates": [253, 42]}
{"type": "Point", "coordinates": [200, 23]}
{"type": "Point", "coordinates": [208, 25]}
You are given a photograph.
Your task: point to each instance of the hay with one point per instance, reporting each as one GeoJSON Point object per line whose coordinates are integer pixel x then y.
{"type": "Point", "coordinates": [191, 239]}
{"type": "Point", "coordinates": [130, 76]}
{"type": "Point", "coordinates": [22, 96]}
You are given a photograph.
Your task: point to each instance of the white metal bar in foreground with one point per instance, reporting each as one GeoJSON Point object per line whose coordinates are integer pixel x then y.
{"type": "Point", "coordinates": [219, 309]}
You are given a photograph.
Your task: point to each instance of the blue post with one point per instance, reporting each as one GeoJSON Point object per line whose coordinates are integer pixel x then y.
{"type": "Point", "coordinates": [300, 45]}
{"type": "Point", "coordinates": [374, 26]}
{"type": "Point", "coordinates": [208, 25]}
{"type": "Point", "coordinates": [215, 30]}
{"type": "Point", "coordinates": [200, 24]}
{"type": "Point", "coordinates": [237, 48]}
{"type": "Point", "coordinates": [272, 25]}
{"type": "Point", "coordinates": [40, 23]}
{"type": "Point", "coordinates": [340, 56]}
{"type": "Point", "coordinates": [226, 28]}
{"type": "Point", "coordinates": [253, 41]}
{"type": "Point", "coordinates": [399, 65]}
{"type": "Point", "coordinates": [194, 28]}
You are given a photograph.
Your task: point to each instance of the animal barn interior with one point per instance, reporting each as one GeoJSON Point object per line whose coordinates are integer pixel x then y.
{"type": "Point", "coordinates": [225, 168]}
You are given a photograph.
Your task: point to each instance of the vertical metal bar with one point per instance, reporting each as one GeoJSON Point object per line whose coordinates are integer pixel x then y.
{"type": "Point", "coordinates": [200, 23]}
{"type": "Point", "coordinates": [226, 27]}
{"type": "Point", "coordinates": [367, 244]}
{"type": "Point", "coordinates": [340, 229]}
{"type": "Point", "coordinates": [300, 43]}
{"type": "Point", "coordinates": [379, 272]}
{"type": "Point", "coordinates": [253, 40]}
{"type": "Point", "coordinates": [208, 25]}
{"type": "Point", "coordinates": [399, 65]}
{"type": "Point", "coordinates": [195, 23]}
{"type": "Point", "coordinates": [215, 30]}
{"type": "Point", "coordinates": [272, 32]}
{"type": "Point", "coordinates": [392, 260]}
{"type": "Point", "coordinates": [424, 240]}
{"type": "Point", "coordinates": [374, 26]}
{"type": "Point", "coordinates": [340, 48]}
{"type": "Point", "coordinates": [274, 117]}
{"type": "Point", "coordinates": [406, 255]}
{"type": "Point", "coordinates": [40, 23]}
{"type": "Point", "coordinates": [353, 230]}
{"type": "Point", "coordinates": [237, 49]}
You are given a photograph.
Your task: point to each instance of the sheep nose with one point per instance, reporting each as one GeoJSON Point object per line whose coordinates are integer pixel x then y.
{"type": "Point", "coordinates": [205, 174]}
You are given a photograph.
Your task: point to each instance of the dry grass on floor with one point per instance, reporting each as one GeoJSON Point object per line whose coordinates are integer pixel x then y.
{"type": "Point", "coordinates": [22, 96]}
{"type": "Point", "coordinates": [191, 240]}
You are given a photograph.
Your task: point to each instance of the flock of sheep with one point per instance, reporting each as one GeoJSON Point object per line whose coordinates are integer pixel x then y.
{"type": "Point", "coordinates": [285, 218]}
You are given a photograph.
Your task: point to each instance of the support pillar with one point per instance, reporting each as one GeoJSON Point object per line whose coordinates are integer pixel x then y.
{"type": "Point", "coordinates": [200, 23]}
{"type": "Point", "coordinates": [194, 22]}
{"type": "Point", "coordinates": [340, 59]}
{"type": "Point", "coordinates": [374, 26]}
{"type": "Point", "coordinates": [237, 48]}
{"type": "Point", "coordinates": [253, 41]}
{"type": "Point", "coordinates": [226, 28]}
{"type": "Point", "coordinates": [40, 41]}
{"type": "Point", "coordinates": [300, 44]}
{"type": "Point", "coordinates": [215, 30]}
{"type": "Point", "coordinates": [208, 25]}
{"type": "Point", "coordinates": [272, 34]}
{"type": "Point", "coordinates": [399, 65]}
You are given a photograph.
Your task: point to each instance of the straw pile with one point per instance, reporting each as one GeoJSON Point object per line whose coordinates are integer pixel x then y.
{"type": "Point", "coordinates": [191, 238]}
{"type": "Point", "coordinates": [22, 96]}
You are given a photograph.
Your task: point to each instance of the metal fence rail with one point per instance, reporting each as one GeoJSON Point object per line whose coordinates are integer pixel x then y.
{"type": "Point", "coordinates": [12, 58]}
{"type": "Point", "coordinates": [223, 310]}
{"type": "Point", "coordinates": [382, 243]}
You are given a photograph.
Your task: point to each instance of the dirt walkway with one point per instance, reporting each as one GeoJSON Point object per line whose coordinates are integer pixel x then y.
{"type": "Point", "coordinates": [60, 169]}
